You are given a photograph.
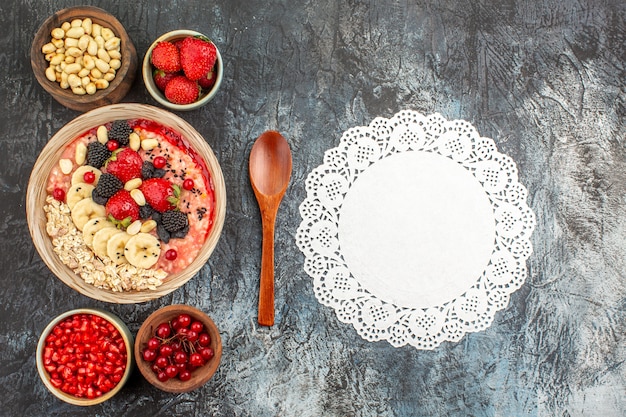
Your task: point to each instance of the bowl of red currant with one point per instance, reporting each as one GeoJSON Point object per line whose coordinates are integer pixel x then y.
{"type": "Point", "coordinates": [178, 348]}
{"type": "Point", "coordinates": [85, 356]}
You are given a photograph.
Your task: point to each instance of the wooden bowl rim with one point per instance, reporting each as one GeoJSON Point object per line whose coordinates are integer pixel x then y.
{"type": "Point", "coordinates": [130, 360]}
{"type": "Point", "coordinates": [125, 74]}
{"type": "Point", "coordinates": [155, 93]}
{"type": "Point", "coordinates": [166, 314]}
{"type": "Point", "coordinates": [36, 195]}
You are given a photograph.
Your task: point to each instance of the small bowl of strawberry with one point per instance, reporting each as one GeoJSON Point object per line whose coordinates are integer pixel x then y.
{"type": "Point", "coordinates": [85, 356]}
{"type": "Point", "coordinates": [182, 70]}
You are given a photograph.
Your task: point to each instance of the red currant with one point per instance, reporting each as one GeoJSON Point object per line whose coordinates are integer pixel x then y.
{"type": "Point", "coordinates": [159, 162]}
{"type": "Point", "coordinates": [180, 357]}
{"type": "Point", "coordinates": [162, 362]}
{"type": "Point", "coordinates": [153, 343]}
{"type": "Point", "coordinates": [112, 145]}
{"type": "Point", "coordinates": [171, 371]}
{"type": "Point", "coordinates": [192, 336]}
{"type": "Point", "coordinates": [197, 326]}
{"type": "Point", "coordinates": [206, 353]}
{"type": "Point", "coordinates": [163, 330]}
{"type": "Point", "coordinates": [184, 320]}
{"type": "Point", "coordinates": [195, 359]}
{"type": "Point", "coordinates": [149, 355]}
{"type": "Point", "coordinates": [89, 177]}
{"type": "Point", "coordinates": [188, 184]}
{"type": "Point", "coordinates": [166, 350]}
{"type": "Point", "coordinates": [171, 254]}
{"type": "Point", "coordinates": [204, 339]}
{"type": "Point", "coordinates": [162, 376]}
{"type": "Point", "coordinates": [58, 194]}
{"type": "Point", "coordinates": [184, 375]}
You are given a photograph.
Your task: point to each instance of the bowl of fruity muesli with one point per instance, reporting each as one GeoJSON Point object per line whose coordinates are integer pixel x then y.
{"type": "Point", "coordinates": [126, 203]}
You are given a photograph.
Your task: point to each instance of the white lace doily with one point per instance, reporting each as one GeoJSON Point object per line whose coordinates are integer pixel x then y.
{"type": "Point", "coordinates": [415, 229]}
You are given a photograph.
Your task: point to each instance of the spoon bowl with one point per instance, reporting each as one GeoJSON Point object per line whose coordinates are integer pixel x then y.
{"type": "Point", "coordinates": [270, 170]}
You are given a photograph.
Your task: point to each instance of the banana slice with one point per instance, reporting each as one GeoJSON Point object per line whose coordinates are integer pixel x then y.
{"type": "Point", "coordinates": [142, 250]}
{"type": "Point", "coordinates": [78, 192]}
{"type": "Point", "coordinates": [92, 227]}
{"type": "Point", "coordinates": [101, 240]}
{"type": "Point", "coordinates": [85, 210]}
{"type": "Point", "coordinates": [79, 175]}
{"type": "Point", "coordinates": [115, 247]}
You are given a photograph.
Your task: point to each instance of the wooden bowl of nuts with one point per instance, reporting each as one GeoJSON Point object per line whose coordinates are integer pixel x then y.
{"type": "Point", "coordinates": [84, 58]}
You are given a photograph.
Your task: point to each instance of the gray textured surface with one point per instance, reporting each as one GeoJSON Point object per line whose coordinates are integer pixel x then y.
{"type": "Point", "coordinates": [545, 79]}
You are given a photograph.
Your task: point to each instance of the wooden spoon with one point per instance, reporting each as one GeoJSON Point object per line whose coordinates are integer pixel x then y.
{"type": "Point", "coordinates": [270, 170]}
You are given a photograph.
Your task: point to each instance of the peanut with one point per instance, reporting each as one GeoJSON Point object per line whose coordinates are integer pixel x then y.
{"type": "Point", "coordinates": [148, 225]}
{"type": "Point", "coordinates": [102, 134]}
{"type": "Point", "coordinates": [51, 74]}
{"type": "Point", "coordinates": [57, 33]}
{"type": "Point", "coordinates": [48, 48]}
{"type": "Point", "coordinates": [65, 165]}
{"type": "Point", "coordinates": [80, 153]}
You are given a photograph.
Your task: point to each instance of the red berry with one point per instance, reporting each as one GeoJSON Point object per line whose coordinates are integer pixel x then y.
{"type": "Point", "coordinates": [207, 81]}
{"type": "Point", "coordinates": [197, 57]}
{"type": "Point", "coordinates": [149, 355]}
{"type": "Point", "coordinates": [184, 320]}
{"type": "Point", "coordinates": [163, 330]}
{"type": "Point", "coordinates": [171, 371]}
{"type": "Point", "coordinates": [162, 362]}
{"type": "Point", "coordinates": [180, 357]}
{"type": "Point", "coordinates": [153, 343]}
{"type": "Point", "coordinates": [59, 194]}
{"type": "Point", "coordinates": [159, 162]}
{"type": "Point", "coordinates": [166, 350]}
{"type": "Point", "coordinates": [112, 145]}
{"type": "Point", "coordinates": [197, 326]}
{"type": "Point", "coordinates": [188, 184]}
{"type": "Point", "coordinates": [171, 254]}
{"type": "Point", "coordinates": [192, 335]}
{"type": "Point", "coordinates": [195, 359]}
{"type": "Point", "coordinates": [162, 376]}
{"type": "Point", "coordinates": [206, 353]}
{"type": "Point", "coordinates": [204, 339]}
{"type": "Point", "coordinates": [181, 90]}
{"type": "Point", "coordinates": [89, 177]}
{"type": "Point", "coordinates": [184, 375]}
{"type": "Point", "coordinates": [165, 56]}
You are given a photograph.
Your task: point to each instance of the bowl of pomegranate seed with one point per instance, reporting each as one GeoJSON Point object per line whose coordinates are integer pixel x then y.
{"type": "Point", "coordinates": [85, 356]}
{"type": "Point", "coordinates": [178, 348]}
{"type": "Point", "coordinates": [182, 70]}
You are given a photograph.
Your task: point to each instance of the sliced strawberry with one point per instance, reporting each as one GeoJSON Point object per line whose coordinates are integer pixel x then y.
{"type": "Point", "coordinates": [125, 164]}
{"type": "Point", "coordinates": [165, 56]}
{"type": "Point", "coordinates": [197, 57]}
{"type": "Point", "coordinates": [121, 209]}
{"type": "Point", "coordinates": [160, 194]}
{"type": "Point", "coordinates": [181, 90]}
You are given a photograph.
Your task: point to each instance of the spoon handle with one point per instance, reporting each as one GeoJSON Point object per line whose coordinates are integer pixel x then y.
{"type": "Point", "coordinates": [266, 290]}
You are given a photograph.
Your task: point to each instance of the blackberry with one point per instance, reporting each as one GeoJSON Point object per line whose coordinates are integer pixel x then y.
{"type": "Point", "coordinates": [119, 131]}
{"type": "Point", "coordinates": [108, 184]}
{"type": "Point", "coordinates": [146, 211]}
{"type": "Point", "coordinates": [174, 220]}
{"type": "Point", "coordinates": [98, 199]}
{"type": "Point", "coordinates": [180, 234]}
{"type": "Point", "coordinates": [149, 171]}
{"type": "Point", "coordinates": [163, 234]}
{"type": "Point", "coordinates": [97, 154]}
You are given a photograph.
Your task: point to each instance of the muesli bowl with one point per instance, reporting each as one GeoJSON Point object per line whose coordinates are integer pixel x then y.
{"type": "Point", "coordinates": [58, 235]}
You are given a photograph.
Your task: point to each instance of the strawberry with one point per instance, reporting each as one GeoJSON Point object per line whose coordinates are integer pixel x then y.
{"type": "Point", "coordinates": [197, 57]}
{"type": "Point", "coordinates": [121, 209]}
{"type": "Point", "coordinates": [181, 90]}
{"type": "Point", "coordinates": [125, 164]}
{"type": "Point", "coordinates": [165, 57]}
{"type": "Point", "coordinates": [208, 80]}
{"type": "Point", "coordinates": [160, 194]}
{"type": "Point", "coordinates": [161, 78]}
